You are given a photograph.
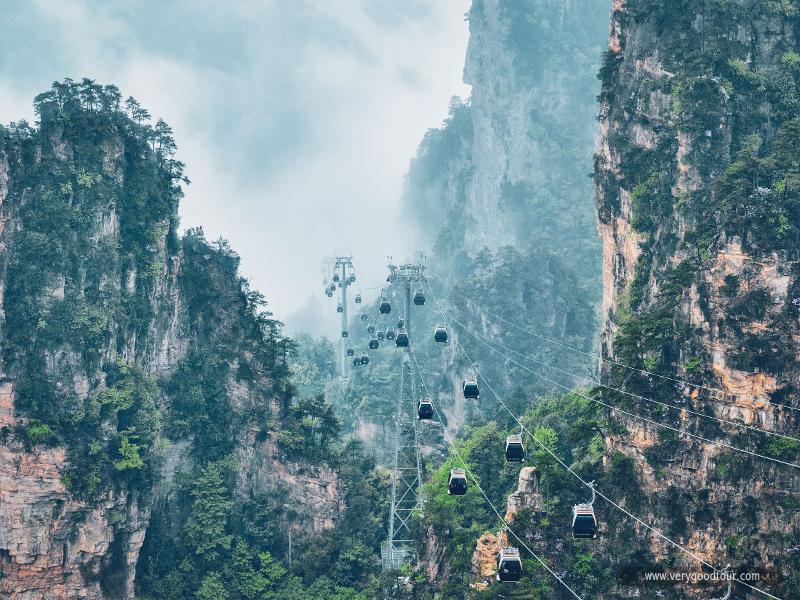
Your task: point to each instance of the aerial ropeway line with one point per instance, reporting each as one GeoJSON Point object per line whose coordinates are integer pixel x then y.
{"type": "Point", "coordinates": [584, 520]}
{"type": "Point", "coordinates": [609, 361]}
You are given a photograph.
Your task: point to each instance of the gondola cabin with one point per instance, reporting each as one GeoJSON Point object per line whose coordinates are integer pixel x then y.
{"type": "Point", "coordinates": [440, 334]}
{"type": "Point", "coordinates": [515, 451]}
{"type": "Point", "coordinates": [380, 335]}
{"type": "Point", "coordinates": [344, 333]}
{"type": "Point", "coordinates": [400, 323]}
{"type": "Point", "coordinates": [335, 278]}
{"type": "Point", "coordinates": [340, 308]}
{"type": "Point", "coordinates": [364, 359]}
{"type": "Point", "coordinates": [425, 409]}
{"type": "Point", "coordinates": [385, 308]}
{"type": "Point", "coordinates": [351, 352]}
{"type": "Point", "coordinates": [358, 298]}
{"type": "Point", "coordinates": [509, 565]}
{"type": "Point", "coordinates": [371, 329]}
{"type": "Point", "coordinates": [390, 334]}
{"type": "Point", "coordinates": [584, 523]}
{"type": "Point", "coordinates": [364, 316]}
{"type": "Point", "coordinates": [373, 343]}
{"type": "Point", "coordinates": [419, 298]}
{"type": "Point", "coordinates": [471, 388]}
{"type": "Point", "coordinates": [401, 340]}
{"type": "Point", "coordinates": [457, 484]}
{"type": "Point", "coordinates": [356, 361]}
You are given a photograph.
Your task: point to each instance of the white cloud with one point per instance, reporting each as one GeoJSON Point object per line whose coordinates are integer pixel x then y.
{"type": "Point", "coordinates": [296, 120]}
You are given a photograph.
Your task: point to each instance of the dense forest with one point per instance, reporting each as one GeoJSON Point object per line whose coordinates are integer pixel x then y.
{"type": "Point", "coordinates": [612, 220]}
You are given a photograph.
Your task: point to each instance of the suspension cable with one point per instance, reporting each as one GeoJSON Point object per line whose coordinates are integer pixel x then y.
{"type": "Point", "coordinates": [480, 489]}
{"type": "Point", "coordinates": [584, 482]}
{"type": "Point", "coordinates": [617, 363]}
{"type": "Point", "coordinates": [631, 394]}
{"type": "Point", "coordinates": [634, 415]}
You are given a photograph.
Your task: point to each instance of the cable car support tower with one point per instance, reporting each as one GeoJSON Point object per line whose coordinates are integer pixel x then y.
{"type": "Point", "coordinates": [406, 497]}
{"type": "Point", "coordinates": [343, 266]}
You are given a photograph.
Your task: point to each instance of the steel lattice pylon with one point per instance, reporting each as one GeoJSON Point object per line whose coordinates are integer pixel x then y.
{"type": "Point", "coordinates": [406, 498]}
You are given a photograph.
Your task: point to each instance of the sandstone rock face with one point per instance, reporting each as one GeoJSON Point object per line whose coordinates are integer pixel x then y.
{"type": "Point", "coordinates": [650, 112]}
{"type": "Point", "coordinates": [54, 544]}
{"type": "Point", "coordinates": [484, 559]}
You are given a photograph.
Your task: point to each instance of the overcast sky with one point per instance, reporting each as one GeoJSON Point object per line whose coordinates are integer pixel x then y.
{"type": "Point", "coordinates": [296, 119]}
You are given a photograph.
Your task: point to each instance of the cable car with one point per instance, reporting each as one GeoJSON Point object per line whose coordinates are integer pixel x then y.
{"type": "Point", "coordinates": [509, 565]}
{"type": "Point", "coordinates": [381, 335]}
{"type": "Point", "coordinates": [385, 308]}
{"type": "Point", "coordinates": [471, 388]}
{"type": "Point", "coordinates": [364, 316]}
{"type": "Point", "coordinates": [419, 298]}
{"type": "Point", "coordinates": [440, 334]}
{"type": "Point", "coordinates": [344, 333]}
{"type": "Point", "coordinates": [584, 523]}
{"type": "Point", "coordinates": [401, 340]}
{"type": "Point", "coordinates": [425, 409]}
{"type": "Point", "coordinates": [457, 484]}
{"type": "Point", "coordinates": [351, 352]}
{"type": "Point", "coordinates": [400, 323]}
{"type": "Point", "coordinates": [353, 278]}
{"type": "Point", "coordinates": [364, 359]}
{"type": "Point", "coordinates": [390, 334]}
{"type": "Point", "coordinates": [358, 298]}
{"type": "Point", "coordinates": [340, 308]}
{"type": "Point", "coordinates": [335, 278]}
{"type": "Point", "coordinates": [356, 361]}
{"type": "Point", "coordinates": [329, 294]}
{"type": "Point", "coordinates": [370, 329]}
{"type": "Point", "coordinates": [515, 450]}
{"type": "Point", "coordinates": [373, 343]}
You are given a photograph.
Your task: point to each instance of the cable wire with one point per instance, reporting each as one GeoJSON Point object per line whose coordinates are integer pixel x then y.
{"type": "Point", "coordinates": [480, 489]}
{"type": "Point", "coordinates": [614, 362]}
{"type": "Point", "coordinates": [634, 415]}
{"type": "Point", "coordinates": [631, 394]}
{"type": "Point", "coordinates": [579, 478]}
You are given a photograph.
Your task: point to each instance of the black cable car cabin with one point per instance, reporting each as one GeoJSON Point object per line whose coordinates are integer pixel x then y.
{"type": "Point", "coordinates": [364, 316]}
{"type": "Point", "coordinates": [329, 293]}
{"type": "Point", "coordinates": [471, 388]}
{"type": "Point", "coordinates": [400, 323]}
{"type": "Point", "coordinates": [457, 484]}
{"type": "Point", "coordinates": [515, 451]}
{"type": "Point", "coordinates": [364, 359]}
{"type": "Point", "coordinates": [419, 298]}
{"type": "Point", "coordinates": [385, 308]}
{"type": "Point", "coordinates": [358, 298]}
{"type": "Point", "coordinates": [509, 565]}
{"type": "Point", "coordinates": [440, 334]}
{"type": "Point", "coordinates": [380, 335]}
{"type": "Point", "coordinates": [356, 361]}
{"type": "Point", "coordinates": [584, 523]}
{"type": "Point", "coordinates": [353, 278]}
{"type": "Point", "coordinates": [344, 333]}
{"type": "Point", "coordinates": [390, 334]}
{"type": "Point", "coordinates": [401, 340]}
{"type": "Point", "coordinates": [335, 278]}
{"type": "Point", "coordinates": [351, 352]}
{"type": "Point", "coordinates": [373, 343]}
{"type": "Point", "coordinates": [339, 308]}
{"type": "Point", "coordinates": [371, 329]}
{"type": "Point", "coordinates": [425, 409]}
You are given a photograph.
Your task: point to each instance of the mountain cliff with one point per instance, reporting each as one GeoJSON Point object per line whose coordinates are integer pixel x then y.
{"type": "Point", "coordinates": [697, 203]}
{"type": "Point", "coordinates": [142, 384]}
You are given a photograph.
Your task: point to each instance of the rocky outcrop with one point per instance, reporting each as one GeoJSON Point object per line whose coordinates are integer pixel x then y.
{"type": "Point", "coordinates": [697, 286]}
{"type": "Point", "coordinates": [484, 559]}
{"type": "Point", "coordinates": [112, 286]}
